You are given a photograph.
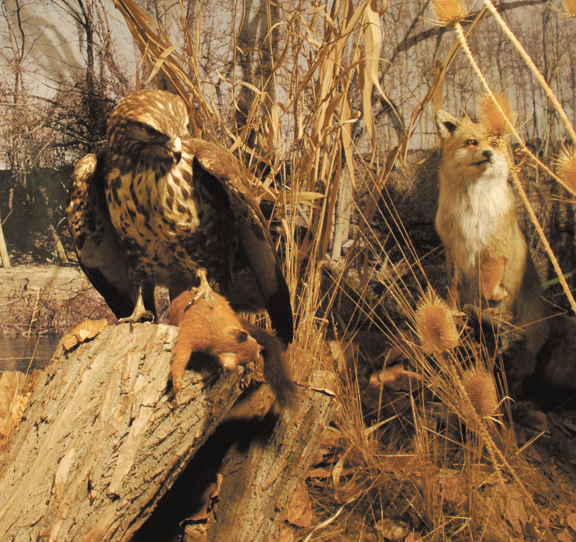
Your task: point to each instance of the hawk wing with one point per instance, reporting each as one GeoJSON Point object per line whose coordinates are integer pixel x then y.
{"type": "Point", "coordinates": [256, 278]}
{"type": "Point", "coordinates": [99, 252]}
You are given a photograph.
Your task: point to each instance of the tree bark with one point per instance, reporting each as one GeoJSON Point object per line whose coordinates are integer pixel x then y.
{"type": "Point", "coordinates": [259, 484]}
{"type": "Point", "coordinates": [104, 439]}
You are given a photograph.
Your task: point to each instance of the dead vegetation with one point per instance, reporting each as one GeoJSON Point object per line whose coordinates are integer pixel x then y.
{"type": "Point", "coordinates": [423, 445]}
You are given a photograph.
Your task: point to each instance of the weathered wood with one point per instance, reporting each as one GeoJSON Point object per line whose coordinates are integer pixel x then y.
{"type": "Point", "coordinates": [104, 438]}
{"type": "Point", "coordinates": [258, 484]}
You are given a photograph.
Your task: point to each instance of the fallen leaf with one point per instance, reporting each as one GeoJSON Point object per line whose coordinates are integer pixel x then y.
{"type": "Point", "coordinates": [532, 530]}
{"type": "Point", "coordinates": [331, 438]}
{"type": "Point", "coordinates": [286, 534]}
{"type": "Point", "coordinates": [392, 530]}
{"type": "Point", "coordinates": [569, 425]}
{"type": "Point", "coordinates": [387, 375]}
{"type": "Point", "coordinates": [300, 511]}
{"type": "Point", "coordinates": [393, 354]}
{"type": "Point", "coordinates": [533, 455]}
{"type": "Point", "coordinates": [326, 451]}
{"type": "Point", "coordinates": [397, 463]}
{"type": "Point", "coordinates": [532, 417]}
{"type": "Point", "coordinates": [396, 378]}
{"type": "Point", "coordinates": [344, 354]}
{"type": "Point", "coordinates": [343, 492]}
{"type": "Point", "coordinates": [514, 510]}
{"type": "Point", "coordinates": [565, 536]}
{"type": "Point", "coordinates": [82, 332]}
{"type": "Point", "coordinates": [389, 389]}
{"type": "Point", "coordinates": [453, 484]}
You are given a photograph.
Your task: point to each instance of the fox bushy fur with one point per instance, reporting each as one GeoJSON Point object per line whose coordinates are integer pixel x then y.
{"type": "Point", "coordinates": [487, 258]}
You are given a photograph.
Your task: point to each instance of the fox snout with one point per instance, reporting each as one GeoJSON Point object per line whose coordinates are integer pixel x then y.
{"type": "Point", "coordinates": [487, 156]}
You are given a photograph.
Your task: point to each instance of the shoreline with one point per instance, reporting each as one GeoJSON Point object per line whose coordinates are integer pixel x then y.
{"type": "Point", "coordinates": [47, 300]}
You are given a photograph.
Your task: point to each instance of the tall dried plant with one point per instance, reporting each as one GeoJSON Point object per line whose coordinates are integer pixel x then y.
{"type": "Point", "coordinates": [306, 141]}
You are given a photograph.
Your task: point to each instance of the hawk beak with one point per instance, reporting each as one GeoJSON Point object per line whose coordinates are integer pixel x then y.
{"type": "Point", "coordinates": [176, 149]}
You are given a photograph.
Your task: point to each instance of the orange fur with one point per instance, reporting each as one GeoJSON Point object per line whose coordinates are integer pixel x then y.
{"type": "Point", "coordinates": [208, 324]}
{"type": "Point", "coordinates": [487, 259]}
{"type": "Point", "coordinates": [491, 274]}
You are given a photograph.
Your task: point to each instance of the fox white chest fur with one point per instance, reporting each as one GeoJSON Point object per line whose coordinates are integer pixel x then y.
{"type": "Point", "coordinates": [472, 210]}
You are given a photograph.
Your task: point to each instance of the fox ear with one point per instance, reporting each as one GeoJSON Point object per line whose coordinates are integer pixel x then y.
{"type": "Point", "coordinates": [447, 124]}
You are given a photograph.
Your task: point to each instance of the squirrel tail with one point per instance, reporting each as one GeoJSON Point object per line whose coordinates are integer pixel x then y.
{"type": "Point", "coordinates": [275, 369]}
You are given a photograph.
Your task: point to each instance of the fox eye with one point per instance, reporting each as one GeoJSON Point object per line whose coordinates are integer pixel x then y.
{"type": "Point", "coordinates": [494, 143]}
{"type": "Point", "coordinates": [471, 143]}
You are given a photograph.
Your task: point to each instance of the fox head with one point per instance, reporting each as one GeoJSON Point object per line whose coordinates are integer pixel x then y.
{"type": "Point", "coordinates": [469, 151]}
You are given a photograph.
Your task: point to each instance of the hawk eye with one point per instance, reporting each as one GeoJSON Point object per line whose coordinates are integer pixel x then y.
{"type": "Point", "coordinates": [152, 132]}
{"type": "Point", "coordinates": [471, 143]}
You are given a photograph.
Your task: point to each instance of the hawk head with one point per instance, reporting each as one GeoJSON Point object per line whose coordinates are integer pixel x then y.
{"type": "Point", "coordinates": [147, 126]}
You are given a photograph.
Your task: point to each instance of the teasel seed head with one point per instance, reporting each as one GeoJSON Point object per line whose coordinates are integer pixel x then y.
{"type": "Point", "coordinates": [566, 166]}
{"type": "Point", "coordinates": [569, 8]}
{"type": "Point", "coordinates": [481, 390]}
{"type": "Point", "coordinates": [490, 116]}
{"type": "Point", "coordinates": [435, 324]}
{"type": "Point", "coordinates": [449, 12]}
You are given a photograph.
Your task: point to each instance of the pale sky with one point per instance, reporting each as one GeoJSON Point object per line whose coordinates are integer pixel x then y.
{"type": "Point", "coordinates": [53, 47]}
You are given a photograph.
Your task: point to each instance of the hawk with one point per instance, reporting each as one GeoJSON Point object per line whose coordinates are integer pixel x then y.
{"type": "Point", "coordinates": [157, 206]}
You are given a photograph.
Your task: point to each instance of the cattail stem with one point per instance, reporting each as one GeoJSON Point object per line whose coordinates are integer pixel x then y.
{"type": "Point", "coordinates": [518, 184]}
{"type": "Point", "coordinates": [529, 62]}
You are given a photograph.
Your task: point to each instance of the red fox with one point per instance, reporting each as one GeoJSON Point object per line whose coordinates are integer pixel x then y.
{"type": "Point", "coordinates": [208, 324]}
{"type": "Point", "coordinates": [487, 259]}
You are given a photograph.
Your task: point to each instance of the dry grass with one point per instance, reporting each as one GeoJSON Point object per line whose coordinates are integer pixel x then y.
{"type": "Point", "coordinates": [446, 466]}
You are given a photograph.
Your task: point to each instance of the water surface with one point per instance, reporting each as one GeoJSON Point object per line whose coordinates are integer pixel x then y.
{"type": "Point", "coordinates": [24, 354]}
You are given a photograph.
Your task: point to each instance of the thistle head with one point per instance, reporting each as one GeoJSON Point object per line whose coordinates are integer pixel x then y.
{"type": "Point", "coordinates": [481, 390]}
{"type": "Point", "coordinates": [435, 324]}
{"type": "Point", "coordinates": [449, 12]}
{"type": "Point", "coordinates": [493, 112]}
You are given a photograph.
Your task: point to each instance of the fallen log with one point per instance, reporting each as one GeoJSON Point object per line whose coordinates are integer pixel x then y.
{"type": "Point", "coordinates": [260, 481]}
{"type": "Point", "coordinates": [104, 438]}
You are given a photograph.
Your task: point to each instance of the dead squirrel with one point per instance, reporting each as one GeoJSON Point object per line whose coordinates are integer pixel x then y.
{"type": "Point", "coordinates": [208, 324]}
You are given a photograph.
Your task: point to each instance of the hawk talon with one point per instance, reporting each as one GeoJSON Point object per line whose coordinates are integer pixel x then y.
{"type": "Point", "coordinates": [203, 290]}
{"type": "Point", "coordinates": [140, 318]}
{"type": "Point", "coordinates": [140, 314]}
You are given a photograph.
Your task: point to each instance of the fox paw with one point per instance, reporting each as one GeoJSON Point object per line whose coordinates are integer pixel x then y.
{"type": "Point", "coordinates": [499, 294]}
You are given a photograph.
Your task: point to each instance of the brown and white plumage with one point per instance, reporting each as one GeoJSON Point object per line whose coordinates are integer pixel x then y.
{"type": "Point", "coordinates": [166, 205]}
